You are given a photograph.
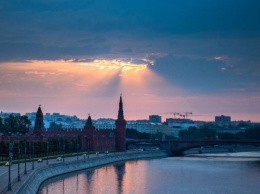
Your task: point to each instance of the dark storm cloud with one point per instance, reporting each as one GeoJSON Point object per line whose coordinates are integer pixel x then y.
{"type": "Point", "coordinates": [29, 51]}
{"type": "Point", "coordinates": [204, 75]}
{"type": "Point", "coordinates": [75, 23]}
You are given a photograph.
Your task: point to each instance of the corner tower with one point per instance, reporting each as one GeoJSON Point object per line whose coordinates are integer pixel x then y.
{"type": "Point", "coordinates": [120, 131]}
{"type": "Point", "coordinates": [39, 126]}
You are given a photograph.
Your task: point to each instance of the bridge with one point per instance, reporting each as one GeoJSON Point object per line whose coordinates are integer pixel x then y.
{"type": "Point", "coordinates": [177, 147]}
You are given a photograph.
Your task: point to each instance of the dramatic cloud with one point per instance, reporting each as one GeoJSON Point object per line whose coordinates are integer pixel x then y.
{"type": "Point", "coordinates": [155, 52]}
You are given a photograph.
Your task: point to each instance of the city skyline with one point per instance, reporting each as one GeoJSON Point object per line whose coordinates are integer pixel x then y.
{"type": "Point", "coordinates": [178, 116]}
{"type": "Point", "coordinates": [76, 58]}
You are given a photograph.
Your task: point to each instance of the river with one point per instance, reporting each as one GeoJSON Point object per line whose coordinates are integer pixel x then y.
{"type": "Point", "coordinates": [199, 174]}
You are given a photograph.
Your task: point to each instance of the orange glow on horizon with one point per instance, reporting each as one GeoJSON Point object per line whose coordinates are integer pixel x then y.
{"type": "Point", "coordinates": [115, 64]}
{"type": "Point", "coordinates": [83, 76]}
{"type": "Point", "coordinates": [79, 88]}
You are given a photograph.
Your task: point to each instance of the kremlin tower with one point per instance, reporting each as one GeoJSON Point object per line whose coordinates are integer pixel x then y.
{"type": "Point", "coordinates": [39, 126]}
{"type": "Point", "coordinates": [89, 138]}
{"type": "Point", "coordinates": [120, 131]}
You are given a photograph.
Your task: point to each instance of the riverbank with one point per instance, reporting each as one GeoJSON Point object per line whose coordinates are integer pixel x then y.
{"type": "Point", "coordinates": [195, 175]}
{"type": "Point", "coordinates": [35, 179]}
{"type": "Point", "coordinates": [235, 156]}
{"type": "Point", "coordinates": [222, 149]}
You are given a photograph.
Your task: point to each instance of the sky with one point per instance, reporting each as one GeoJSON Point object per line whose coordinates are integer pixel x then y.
{"type": "Point", "coordinates": [77, 57]}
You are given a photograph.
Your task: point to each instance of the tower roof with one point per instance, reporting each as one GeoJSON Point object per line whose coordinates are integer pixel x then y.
{"type": "Point", "coordinates": [39, 111]}
{"type": "Point", "coordinates": [120, 110]}
{"type": "Point", "coordinates": [39, 125]}
{"type": "Point", "coordinates": [89, 122]}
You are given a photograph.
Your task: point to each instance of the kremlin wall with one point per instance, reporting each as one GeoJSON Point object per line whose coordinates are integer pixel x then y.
{"type": "Point", "coordinates": [88, 139]}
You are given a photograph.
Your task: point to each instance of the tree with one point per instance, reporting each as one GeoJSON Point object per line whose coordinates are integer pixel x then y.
{"type": "Point", "coordinates": [54, 125]}
{"type": "Point", "coordinates": [15, 124]}
{"type": "Point", "coordinates": [197, 134]}
{"type": "Point", "coordinates": [133, 133]}
{"type": "Point", "coordinates": [11, 124]}
{"type": "Point", "coordinates": [251, 133]}
{"type": "Point", "coordinates": [24, 124]}
{"type": "Point", "coordinates": [3, 149]}
{"type": "Point", "coordinates": [1, 125]}
{"type": "Point", "coordinates": [227, 136]}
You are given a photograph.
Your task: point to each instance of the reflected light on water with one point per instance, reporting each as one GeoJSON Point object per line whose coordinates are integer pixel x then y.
{"type": "Point", "coordinates": [117, 178]}
{"type": "Point", "coordinates": [167, 175]}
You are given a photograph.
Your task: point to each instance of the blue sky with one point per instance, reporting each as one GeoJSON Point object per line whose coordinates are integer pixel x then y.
{"type": "Point", "coordinates": [200, 56]}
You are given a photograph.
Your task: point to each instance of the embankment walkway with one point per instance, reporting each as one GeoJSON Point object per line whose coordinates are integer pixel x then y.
{"type": "Point", "coordinates": [39, 175]}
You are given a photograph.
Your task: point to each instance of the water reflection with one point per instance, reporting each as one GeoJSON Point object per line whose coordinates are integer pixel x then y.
{"type": "Point", "coordinates": [120, 171]}
{"type": "Point", "coordinates": [168, 175]}
{"type": "Point", "coordinates": [89, 175]}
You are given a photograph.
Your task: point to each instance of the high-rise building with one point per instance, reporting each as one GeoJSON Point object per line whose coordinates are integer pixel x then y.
{"type": "Point", "coordinates": [155, 119]}
{"type": "Point", "coordinates": [222, 120]}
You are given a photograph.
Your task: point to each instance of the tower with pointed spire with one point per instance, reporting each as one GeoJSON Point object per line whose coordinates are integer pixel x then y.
{"type": "Point", "coordinates": [88, 135]}
{"type": "Point", "coordinates": [89, 122]}
{"type": "Point", "coordinates": [39, 125]}
{"type": "Point", "coordinates": [120, 131]}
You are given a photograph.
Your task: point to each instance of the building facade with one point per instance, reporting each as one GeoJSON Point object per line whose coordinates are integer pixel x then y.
{"type": "Point", "coordinates": [155, 119]}
{"type": "Point", "coordinates": [222, 120]}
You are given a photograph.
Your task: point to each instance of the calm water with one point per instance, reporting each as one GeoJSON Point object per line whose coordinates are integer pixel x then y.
{"type": "Point", "coordinates": [167, 175]}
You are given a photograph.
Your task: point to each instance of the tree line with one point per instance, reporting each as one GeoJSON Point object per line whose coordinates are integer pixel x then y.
{"type": "Point", "coordinates": [15, 124]}
{"type": "Point", "coordinates": [39, 148]}
{"type": "Point", "coordinates": [207, 133]}
{"type": "Point", "coordinates": [134, 134]}
{"type": "Point", "coordinates": [194, 133]}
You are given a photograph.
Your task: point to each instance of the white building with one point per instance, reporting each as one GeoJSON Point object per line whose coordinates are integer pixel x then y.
{"type": "Point", "coordinates": [6, 114]}
{"type": "Point", "coordinates": [183, 124]}
{"type": "Point", "coordinates": [104, 123]}
{"type": "Point", "coordinates": [148, 127]}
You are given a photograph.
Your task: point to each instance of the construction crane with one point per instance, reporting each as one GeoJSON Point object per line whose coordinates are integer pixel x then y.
{"type": "Point", "coordinates": [184, 116]}
{"type": "Point", "coordinates": [173, 113]}
{"type": "Point", "coordinates": [188, 113]}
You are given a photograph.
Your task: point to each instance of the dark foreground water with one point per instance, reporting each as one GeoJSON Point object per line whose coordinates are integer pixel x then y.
{"type": "Point", "coordinates": [196, 175]}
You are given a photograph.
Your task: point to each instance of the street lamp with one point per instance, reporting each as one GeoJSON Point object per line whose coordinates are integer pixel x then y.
{"type": "Point", "coordinates": [59, 147]}
{"type": "Point", "coordinates": [71, 148]}
{"type": "Point", "coordinates": [106, 148]}
{"type": "Point", "coordinates": [88, 149]}
{"type": "Point", "coordinates": [63, 150]}
{"type": "Point", "coordinates": [19, 152]}
{"type": "Point", "coordinates": [30, 146]}
{"type": "Point", "coordinates": [98, 148]}
{"type": "Point", "coordinates": [114, 146]}
{"type": "Point", "coordinates": [77, 148]}
{"type": "Point", "coordinates": [47, 161]}
{"type": "Point", "coordinates": [10, 162]}
{"type": "Point", "coordinates": [25, 152]}
{"type": "Point", "coordinates": [89, 144]}
{"type": "Point", "coordinates": [32, 154]}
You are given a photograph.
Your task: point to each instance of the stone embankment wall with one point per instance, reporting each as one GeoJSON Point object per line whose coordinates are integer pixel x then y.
{"type": "Point", "coordinates": [38, 176]}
